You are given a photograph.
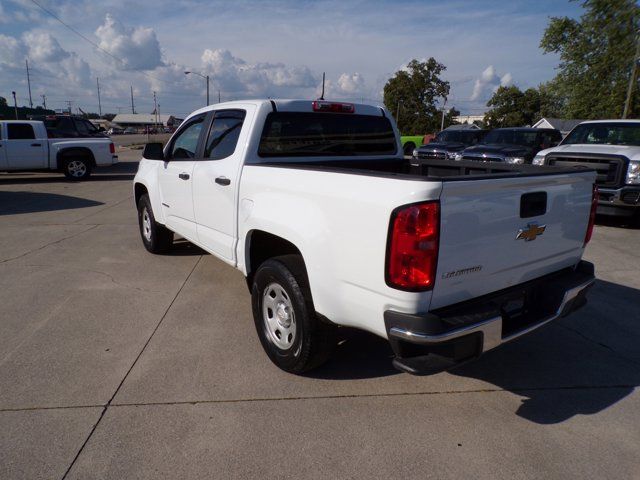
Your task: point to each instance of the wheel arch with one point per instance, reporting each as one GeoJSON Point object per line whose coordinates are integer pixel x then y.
{"type": "Point", "coordinates": [261, 246]}
{"type": "Point", "coordinates": [72, 152]}
{"type": "Point", "coordinates": [139, 189]}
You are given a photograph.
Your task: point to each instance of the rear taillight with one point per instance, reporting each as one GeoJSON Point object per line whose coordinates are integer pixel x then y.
{"type": "Point", "coordinates": [333, 107]}
{"type": "Point", "coordinates": [592, 215]}
{"type": "Point", "coordinates": [112, 148]}
{"type": "Point", "coordinates": [412, 254]}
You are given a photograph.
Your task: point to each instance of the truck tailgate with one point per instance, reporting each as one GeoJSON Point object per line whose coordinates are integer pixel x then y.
{"type": "Point", "coordinates": [480, 251]}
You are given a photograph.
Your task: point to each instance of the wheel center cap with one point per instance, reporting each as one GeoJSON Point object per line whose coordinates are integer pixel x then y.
{"type": "Point", "coordinates": [282, 312]}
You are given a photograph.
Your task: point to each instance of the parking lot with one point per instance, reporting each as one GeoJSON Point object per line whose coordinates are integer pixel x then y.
{"type": "Point", "coordinates": [117, 364]}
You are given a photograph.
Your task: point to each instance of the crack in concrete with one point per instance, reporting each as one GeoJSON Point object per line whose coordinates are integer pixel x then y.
{"type": "Point", "coordinates": [603, 345]}
{"type": "Point", "coordinates": [517, 390]}
{"type": "Point", "coordinates": [47, 245]}
{"type": "Point", "coordinates": [106, 407]}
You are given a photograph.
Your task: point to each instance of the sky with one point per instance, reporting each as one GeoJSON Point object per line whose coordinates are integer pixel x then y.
{"type": "Point", "coordinates": [258, 49]}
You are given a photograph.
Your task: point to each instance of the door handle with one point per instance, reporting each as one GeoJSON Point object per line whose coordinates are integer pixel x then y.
{"type": "Point", "coordinates": [224, 181]}
{"type": "Point", "coordinates": [36, 144]}
{"type": "Point", "coordinates": [184, 176]}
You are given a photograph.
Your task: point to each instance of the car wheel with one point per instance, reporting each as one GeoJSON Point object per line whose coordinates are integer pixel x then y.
{"type": "Point", "coordinates": [156, 237]}
{"type": "Point", "coordinates": [290, 332]}
{"type": "Point", "coordinates": [408, 148]}
{"type": "Point", "coordinates": [77, 168]}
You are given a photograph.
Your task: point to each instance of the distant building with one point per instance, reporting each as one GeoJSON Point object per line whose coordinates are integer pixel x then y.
{"type": "Point", "coordinates": [143, 120]}
{"type": "Point", "coordinates": [468, 118]}
{"type": "Point", "coordinates": [464, 126]}
{"type": "Point", "coordinates": [565, 126]}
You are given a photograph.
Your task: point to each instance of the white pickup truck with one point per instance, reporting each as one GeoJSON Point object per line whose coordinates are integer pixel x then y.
{"type": "Point", "coordinates": [314, 202]}
{"type": "Point", "coordinates": [612, 149]}
{"type": "Point", "coordinates": [25, 145]}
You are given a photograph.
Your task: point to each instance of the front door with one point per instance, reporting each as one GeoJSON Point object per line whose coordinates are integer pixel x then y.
{"type": "Point", "coordinates": [216, 178]}
{"type": "Point", "coordinates": [23, 150]}
{"type": "Point", "coordinates": [175, 179]}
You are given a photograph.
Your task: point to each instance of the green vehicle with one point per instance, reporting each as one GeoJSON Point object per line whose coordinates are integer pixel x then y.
{"type": "Point", "coordinates": [409, 142]}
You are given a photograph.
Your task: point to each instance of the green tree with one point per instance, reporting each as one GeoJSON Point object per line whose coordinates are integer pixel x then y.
{"type": "Point", "coordinates": [3, 102]}
{"type": "Point", "coordinates": [412, 94]}
{"type": "Point", "coordinates": [596, 55]}
{"type": "Point", "coordinates": [511, 107]}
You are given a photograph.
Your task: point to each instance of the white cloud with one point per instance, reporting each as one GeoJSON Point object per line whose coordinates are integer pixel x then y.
{"type": "Point", "coordinates": [351, 83]}
{"type": "Point", "coordinates": [137, 48]}
{"type": "Point", "coordinates": [12, 51]}
{"type": "Point", "coordinates": [43, 47]}
{"type": "Point", "coordinates": [349, 86]}
{"type": "Point", "coordinates": [237, 76]}
{"type": "Point", "coordinates": [488, 82]}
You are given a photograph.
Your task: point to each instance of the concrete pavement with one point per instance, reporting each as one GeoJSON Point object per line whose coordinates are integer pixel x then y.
{"type": "Point", "coordinates": [115, 363]}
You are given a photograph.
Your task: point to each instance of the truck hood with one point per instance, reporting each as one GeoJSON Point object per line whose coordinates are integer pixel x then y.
{"type": "Point", "coordinates": [500, 150]}
{"type": "Point", "coordinates": [446, 146]}
{"type": "Point", "coordinates": [629, 151]}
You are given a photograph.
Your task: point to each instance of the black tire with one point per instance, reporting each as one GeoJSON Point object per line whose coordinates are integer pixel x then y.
{"type": "Point", "coordinates": [77, 168]}
{"type": "Point", "coordinates": [408, 148]}
{"type": "Point", "coordinates": [313, 339]}
{"type": "Point", "coordinates": [156, 237]}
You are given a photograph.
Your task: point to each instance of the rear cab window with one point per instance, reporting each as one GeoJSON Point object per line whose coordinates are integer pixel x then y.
{"type": "Point", "coordinates": [304, 134]}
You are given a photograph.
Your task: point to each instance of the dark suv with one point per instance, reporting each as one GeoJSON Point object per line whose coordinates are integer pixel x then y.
{"type": "Point", "coordinates": [67, 126]}
{"type": "Point", "coordinates": [447, 143]}
{"type": "Point", "coordinates": [512, 145]}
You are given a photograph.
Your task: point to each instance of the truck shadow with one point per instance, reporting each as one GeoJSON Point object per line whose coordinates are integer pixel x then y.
{"type": "Point", "coordinates": [632, 223]}
{"type": "Point", "coordinates": [14, 203]}
{"type": "Point", "coordinates": [579, 365]}
{"type": "Point", "coordinates": [119, 172]}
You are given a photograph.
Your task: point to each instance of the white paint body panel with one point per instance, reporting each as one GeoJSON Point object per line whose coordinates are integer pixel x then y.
{"type": "Point", "coordinates": [340, 221]}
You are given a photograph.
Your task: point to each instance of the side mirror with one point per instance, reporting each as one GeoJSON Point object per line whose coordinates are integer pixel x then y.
{"type": "Point", "coordinates": [153, 151]}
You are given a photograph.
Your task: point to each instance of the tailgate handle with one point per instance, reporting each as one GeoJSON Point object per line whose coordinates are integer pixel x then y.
{"type": "Point", "coordinates": [533, 204]}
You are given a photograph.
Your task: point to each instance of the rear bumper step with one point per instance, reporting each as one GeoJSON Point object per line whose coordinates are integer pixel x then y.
{"type": "Point", "coordinates": [463, 331]}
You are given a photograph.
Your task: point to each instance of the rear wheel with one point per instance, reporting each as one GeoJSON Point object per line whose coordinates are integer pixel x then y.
{"type": "Point", "coordinates": [290, 332]}
{"type": "Point", "coordinates": [77, 168]}
{"type": "Point", "coordinates": [156, 237]}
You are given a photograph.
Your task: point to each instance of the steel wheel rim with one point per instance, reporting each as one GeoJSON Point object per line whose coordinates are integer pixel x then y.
{"type": "Point", "coordinates": [77, 168]}
{"type": "Point", "coordinates": [146, 224]}
{"type": "Point", "coordinates": [278, 316]}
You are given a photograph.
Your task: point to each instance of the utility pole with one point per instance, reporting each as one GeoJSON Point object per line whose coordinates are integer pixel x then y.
{"type": "Point", "coordinates": [15, 104]}
{"type": "Point", "coordinates": [133, 109]}
{"type": "Point", "coordinates": [155, 108]}
{"type": "Point", "coordinates": [218, 96]}
{"type": "Point", "coordinates": [29, 83]}
{"type": "Point", "coordinates": [44, 101]}
{"type": "Point", "coordinates": [99, 104]}
{"type": "Point", "coordinates": [69, 106]}
{"type": "Point", "coordinates": [633, 78]}
{"type": "Point", "coordinates": [442, 123]}
{"type": "Point", "coordinates": [398, 110]}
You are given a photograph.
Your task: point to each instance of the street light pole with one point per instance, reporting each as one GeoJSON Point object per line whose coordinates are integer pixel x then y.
{"type": "Point", "coordinates": [206, 77]}
{"type": "Point", "coordinates": [15, 104]}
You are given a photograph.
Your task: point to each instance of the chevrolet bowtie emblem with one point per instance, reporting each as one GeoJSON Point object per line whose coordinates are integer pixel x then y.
{"type": "Point", "coordinates": [531, 232]}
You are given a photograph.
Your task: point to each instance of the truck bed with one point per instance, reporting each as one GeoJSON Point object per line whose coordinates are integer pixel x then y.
{"type": "Point", "coordinates": [428, 170]}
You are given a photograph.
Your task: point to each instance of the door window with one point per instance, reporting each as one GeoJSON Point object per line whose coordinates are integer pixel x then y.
{"type": "Point", "coordinates": [20, 131]}
{"type": "Point", "coordinates": [185, 144]}
{"type": "Point", "coordinates": [223, 134]}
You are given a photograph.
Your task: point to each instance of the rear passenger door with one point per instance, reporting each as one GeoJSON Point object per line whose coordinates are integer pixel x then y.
{"type": "Point", "coordinates": [215, 181]}
{"type": "Point", "coordinates": [23, 150]}
{"type": "Point", "coordinates": [3, 148]}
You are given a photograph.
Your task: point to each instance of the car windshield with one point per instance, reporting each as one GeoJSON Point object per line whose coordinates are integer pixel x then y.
{"type": "Point", "coordinates": [456, 136]}
{"type": "Point", "coordinates": [605, 134]}
{"type": "Point", "coordinates": [512, 137]}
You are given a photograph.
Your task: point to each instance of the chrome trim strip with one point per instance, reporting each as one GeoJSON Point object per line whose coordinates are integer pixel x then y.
{"type": "Point", "coordinates": [491, 329]}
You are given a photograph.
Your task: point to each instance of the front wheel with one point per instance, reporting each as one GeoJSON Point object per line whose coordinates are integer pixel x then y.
{"type": "Point", "coordinates": [290, 332]}
{"type": "Point", "coordinates": [77, 168]}
{"type": "Point", "coordinates": [156, 237]}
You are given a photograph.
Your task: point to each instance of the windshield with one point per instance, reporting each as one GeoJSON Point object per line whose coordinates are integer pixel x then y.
{"type": "Point", "coordinates": [605, 134]}
{"type": "Point", "coordinates": [456, 136]}
{"type": "Point", "coordinates": [303, 134]}
{"type": "Point", "coordinates": [512, 137]}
